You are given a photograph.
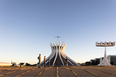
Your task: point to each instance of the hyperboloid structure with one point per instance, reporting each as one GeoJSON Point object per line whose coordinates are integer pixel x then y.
{"type": "Point", "coordinates": [58, 57]}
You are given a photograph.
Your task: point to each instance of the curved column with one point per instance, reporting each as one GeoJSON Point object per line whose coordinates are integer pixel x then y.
{"type": "Point", "coordinates": [69, 59]}
{"type": "Point", "coordinates": [52, 55]}
{"type": "Point", "coordinates": [56, 54]}
{"type": "Point", "coordinates": [60, 54]}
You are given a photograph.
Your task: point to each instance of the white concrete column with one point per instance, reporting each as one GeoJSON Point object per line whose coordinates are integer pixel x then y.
{"type": "Point", "coordinates": [60, 54]}
{"type": "Point", "coordinates": [56, 54]}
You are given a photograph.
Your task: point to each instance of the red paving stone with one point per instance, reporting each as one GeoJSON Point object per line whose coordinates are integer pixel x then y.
{"type": "Point", "coordinates": [33, 73]}
{"type": "Point", "coordinates": [15, 73]}
{"type": "Point", "coordinates": [100, 73]}
{"type": "Point", "coordinates": [82, 73]}
{"type": "Point", "coordinates": [62, 71]}
{"type": "Point", "coordinates": [50, 72]}
{"type": "Point", "coordinates": [5, 71]}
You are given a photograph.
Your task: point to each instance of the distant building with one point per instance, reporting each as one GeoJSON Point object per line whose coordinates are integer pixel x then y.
{"type": "Point", "coordinates": [87, 63]}
{"type": "Point", "coordinates": [97, 61]}
{"type": "Point", "coordinates": [112, 59]}
{"type": "Point", "coordinates": [93, 62]}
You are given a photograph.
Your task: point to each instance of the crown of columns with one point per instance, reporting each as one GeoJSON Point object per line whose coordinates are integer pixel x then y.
{"type": "Point", "coordinates": [58, 57]}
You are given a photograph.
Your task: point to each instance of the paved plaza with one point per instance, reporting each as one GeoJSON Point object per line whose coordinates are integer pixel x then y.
{"type": "Point", "coordinates": [71, 71]}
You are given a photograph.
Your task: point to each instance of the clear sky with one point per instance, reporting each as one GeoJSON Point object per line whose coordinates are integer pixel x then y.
{"type": "Point", "coordinates": [28, 26]}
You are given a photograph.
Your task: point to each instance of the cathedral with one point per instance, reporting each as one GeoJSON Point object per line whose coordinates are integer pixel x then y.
{"type": "Point", "coordinates": [58, 56]}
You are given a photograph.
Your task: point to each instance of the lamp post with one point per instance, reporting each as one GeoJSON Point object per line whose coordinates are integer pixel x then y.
{"type": "Point", "coordinates": [105, 62]}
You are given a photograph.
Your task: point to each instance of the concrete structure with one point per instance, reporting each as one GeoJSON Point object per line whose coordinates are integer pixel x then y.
{"type": "Point", "coordinates": [58, 56]}
{"type": "Point", "coordinates": [105, 44]}
{"type": "Point", "coordinates": [101, 58]}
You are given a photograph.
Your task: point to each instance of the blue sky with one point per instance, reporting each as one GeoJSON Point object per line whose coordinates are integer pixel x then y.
{"type": "Point", "coordinates": [28, 26]}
